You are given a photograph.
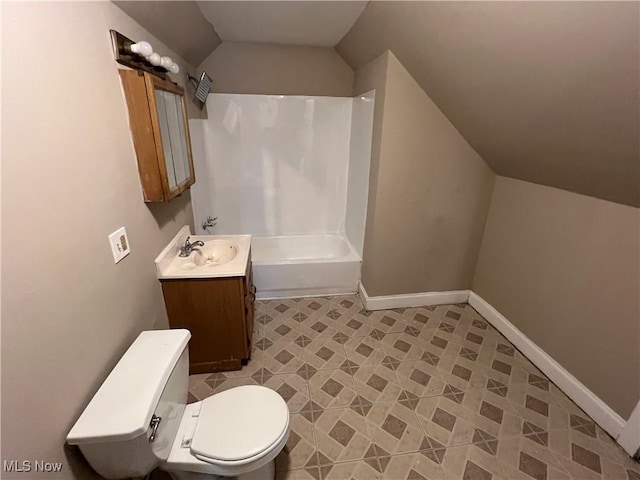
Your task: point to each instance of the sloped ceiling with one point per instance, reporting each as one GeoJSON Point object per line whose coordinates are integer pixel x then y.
{"type": "Point", "coordinates": [546, 92]}
{"type": "Point", "coordinates": [314, 23]}
{"type": "Point", "coordinates": [180, 25]}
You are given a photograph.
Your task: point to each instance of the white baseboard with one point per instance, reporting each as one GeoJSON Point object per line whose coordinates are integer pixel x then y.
{"type": "Point", "coordinates": [412, 299]}
{"type": "Point", "coordinates": [599, 411]}
{"type": "Point", "coordinates": [629, 438]}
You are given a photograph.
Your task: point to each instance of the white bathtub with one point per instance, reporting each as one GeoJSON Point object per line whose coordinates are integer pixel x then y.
{"type": "Point", "coordinates": [290, 266]}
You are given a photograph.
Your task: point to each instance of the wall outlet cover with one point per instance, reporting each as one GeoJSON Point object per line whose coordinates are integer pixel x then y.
{"type": "Point", "coordinates": [119, 244]}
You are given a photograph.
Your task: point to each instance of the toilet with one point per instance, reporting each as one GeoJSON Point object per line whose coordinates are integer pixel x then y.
{"type": "Point", "coordinates": [139, 420]}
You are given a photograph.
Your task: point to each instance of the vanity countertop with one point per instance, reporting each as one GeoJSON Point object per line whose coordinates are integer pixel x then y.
{"type": "Point", "coordinates": [220, 256]}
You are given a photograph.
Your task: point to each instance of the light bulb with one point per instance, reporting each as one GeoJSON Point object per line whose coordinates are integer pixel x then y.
{"type": "Point", "coordinates": [174, 68]}
{"type": "Point", "coordinates": [142, 48]}
{"type": "Point", "coordinates": [154, 59]}
{"type": "Point", "coordinates": [166, 62]}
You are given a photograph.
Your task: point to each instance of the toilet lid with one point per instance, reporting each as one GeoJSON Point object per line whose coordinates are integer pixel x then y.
{"type": "Point", "coordinates": [239, 423]}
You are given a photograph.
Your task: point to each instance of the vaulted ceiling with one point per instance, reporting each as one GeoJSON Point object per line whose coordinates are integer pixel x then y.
{"type": "Point", "coordinates": [546, 92]}
{"type": "Point", "coordinates": [320, 24]}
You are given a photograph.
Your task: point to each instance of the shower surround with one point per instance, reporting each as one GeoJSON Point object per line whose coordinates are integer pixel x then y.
{"type": "Point", "coordinates": [292, 171]}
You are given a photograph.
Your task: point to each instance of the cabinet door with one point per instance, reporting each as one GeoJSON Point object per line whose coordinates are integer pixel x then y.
{"type": "Point", "coordinates": [160, 131]}
{"type": "Point", "coordinates": [212, 310]}
{"type": "Point", "coordinates": [173, 145]}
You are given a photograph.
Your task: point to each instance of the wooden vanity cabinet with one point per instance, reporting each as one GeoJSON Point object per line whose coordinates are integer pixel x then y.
{"type": "Point", "coordinates": [219, 312]}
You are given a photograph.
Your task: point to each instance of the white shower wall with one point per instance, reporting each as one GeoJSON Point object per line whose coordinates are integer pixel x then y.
{"type": "Point", "coordinates": [359, 163]}
{"type": "Point", "coordinates": [272, 165]}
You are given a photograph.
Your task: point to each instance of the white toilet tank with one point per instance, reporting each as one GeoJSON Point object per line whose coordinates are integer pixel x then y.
{"type": "Point", "coordinates": [150, 381]}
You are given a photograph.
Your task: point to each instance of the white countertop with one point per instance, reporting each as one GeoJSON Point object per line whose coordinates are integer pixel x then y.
{"type": "Point", "coordinates": [171, 266]}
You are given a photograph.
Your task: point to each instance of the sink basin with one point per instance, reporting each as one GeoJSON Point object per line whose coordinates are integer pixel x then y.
{"type": "Point", "coordinates": [220, 256]}
{"type": "Point", "coordinates": [213, 254]}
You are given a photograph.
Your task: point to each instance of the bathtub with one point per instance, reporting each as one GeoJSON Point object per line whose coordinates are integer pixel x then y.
{"type": "Point", "coordinates": [290, 266]}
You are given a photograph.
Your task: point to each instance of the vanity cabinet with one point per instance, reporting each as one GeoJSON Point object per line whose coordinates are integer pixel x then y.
{"type": "Point", "coordinates": [160, 131]}
{"type": "Point", "coordinates": [219, 312]}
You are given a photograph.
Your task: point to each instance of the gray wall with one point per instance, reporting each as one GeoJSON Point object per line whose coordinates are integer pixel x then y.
{"type": "Point", "coordinates": [278, 69]}
{"type": "Point", "coordinates": [69, 178]}
{"type": "Point", "coordinates": [429, 191]}
{"type": "Point", "coordinates": [565, 269]}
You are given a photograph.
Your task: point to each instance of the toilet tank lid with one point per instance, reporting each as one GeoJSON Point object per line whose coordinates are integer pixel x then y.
{"type": "Point", "coordinates": [122, 408]}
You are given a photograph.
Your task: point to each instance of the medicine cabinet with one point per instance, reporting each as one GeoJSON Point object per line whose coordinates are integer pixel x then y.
{"type": "Point", "coordinates": [160, 131]}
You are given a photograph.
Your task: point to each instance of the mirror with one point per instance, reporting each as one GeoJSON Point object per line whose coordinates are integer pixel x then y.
{"type": "Point", "coordinates": [174, 142]}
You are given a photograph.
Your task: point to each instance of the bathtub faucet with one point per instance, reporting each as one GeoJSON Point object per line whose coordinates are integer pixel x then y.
{"type": "Point", "coordinates": [188, 247]}
{"type": "Point", "coordinates": [209, 223]}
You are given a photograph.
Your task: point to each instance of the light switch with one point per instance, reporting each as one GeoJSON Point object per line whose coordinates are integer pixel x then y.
{"type": "Point", "coordinates": [119, 244]}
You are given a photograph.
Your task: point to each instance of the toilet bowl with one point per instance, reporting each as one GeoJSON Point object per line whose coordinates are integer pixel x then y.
{"type": "Point", "coordinates": [139, 420]}
{"type": "Point", "coordinates": [243, 445]}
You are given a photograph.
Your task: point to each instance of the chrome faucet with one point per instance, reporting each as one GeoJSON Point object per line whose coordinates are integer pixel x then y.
{"type": "Point", "coordinates": [188, 247]}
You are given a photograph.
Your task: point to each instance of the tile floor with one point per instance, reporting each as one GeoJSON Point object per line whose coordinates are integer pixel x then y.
{"type": "Point", "coordinates": [416, 393]}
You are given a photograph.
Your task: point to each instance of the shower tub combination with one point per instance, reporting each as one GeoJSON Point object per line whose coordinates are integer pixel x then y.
{"type": "Point", "coordinates": [304, 265]}
{"type": "Point", "coordinates": [282, 169]}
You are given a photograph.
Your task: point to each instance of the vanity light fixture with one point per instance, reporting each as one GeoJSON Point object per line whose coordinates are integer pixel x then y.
{"type": "Point", "coordinates": [140, 56]}
{"type": "Point", "coordinates": [167, 63]}
{"type": "Point", "coordinates": [141, 48]}
{"type": "Point", "coordinates": [154, 59]}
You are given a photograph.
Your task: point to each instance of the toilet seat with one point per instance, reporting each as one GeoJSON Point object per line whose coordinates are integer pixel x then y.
{"type": "Point", "coordinates": [240, 425]}
{"type": "Point", "coordinates": [278, 443]}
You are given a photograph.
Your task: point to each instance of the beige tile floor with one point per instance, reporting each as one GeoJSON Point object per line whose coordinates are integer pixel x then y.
{"type": "Point", "coordinates": [416, 393]}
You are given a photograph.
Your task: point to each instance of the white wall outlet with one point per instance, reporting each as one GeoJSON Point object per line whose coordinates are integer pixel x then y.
{"type": "Point", "coordinates": [119, 244]}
